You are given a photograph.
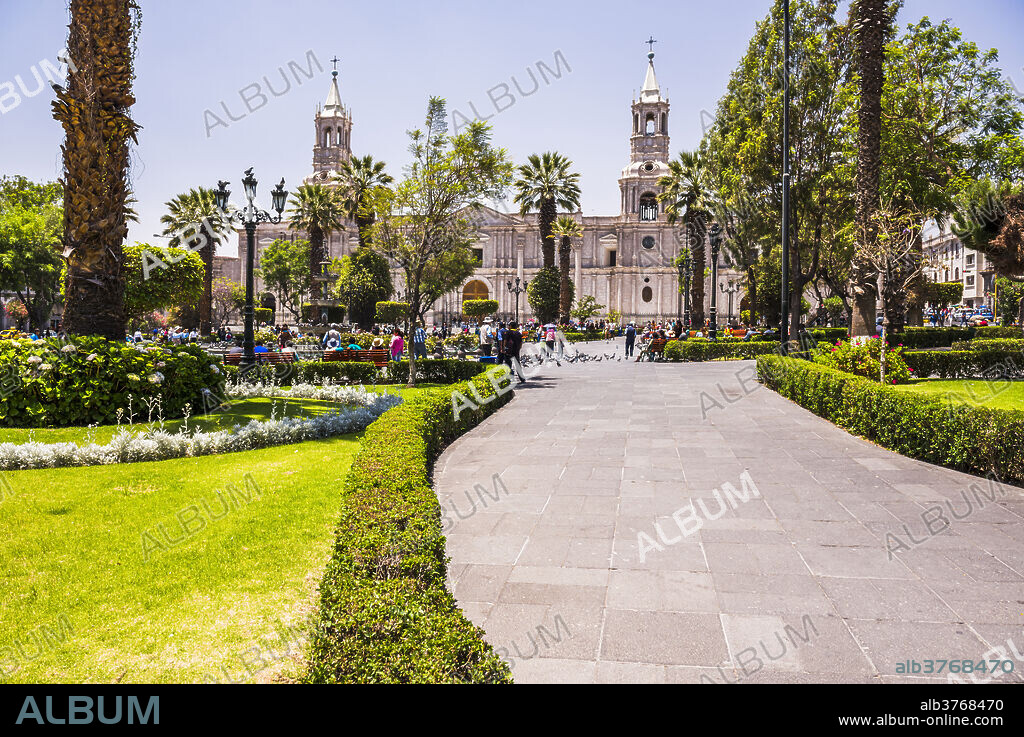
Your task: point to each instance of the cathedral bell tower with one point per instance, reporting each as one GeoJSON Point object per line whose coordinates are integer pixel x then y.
{"type": "Point", "coordinates": [649, 150]}
{"type": "Point", "coordinates": [333, 133]}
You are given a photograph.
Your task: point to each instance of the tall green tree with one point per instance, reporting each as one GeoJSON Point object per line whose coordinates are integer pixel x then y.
{"type": "Point", "coordinates": [31, 228]}
{"type": "Point", "coordinates": [566, 229]}
{"type": "Point", "coordinates": [689, 197]}
{"type": "Point", "coordinates": [364, 279]}
{"type": "Point", "coordinates": [872, 22]}
{"type": "Point", "coordinates": [319, 211]}
{"type": "Point", "coordinates": [193, 221]}
{"type": "Point", "coordinates": [284, 268]}
{"type": "Point", "coordinates": [95, 113]}
{"type": "Point", "coordinates": [148, 289]}
{"type": "Point", "coordinates": [357, 178]}
{"type": "Point", "coordinates": [546, 183]}
{"type": "Point", "coordinates": [427, 215]}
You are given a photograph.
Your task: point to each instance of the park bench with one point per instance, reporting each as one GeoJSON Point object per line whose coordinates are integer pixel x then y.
{"type": "Point", "coordinates": [273, 357]}
{"type": "Point", "coordinates": [377, 356]}
{"type": "Point", "coordinates": [654, 349]}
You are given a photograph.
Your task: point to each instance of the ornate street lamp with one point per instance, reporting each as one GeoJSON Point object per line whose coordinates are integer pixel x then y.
{"type": "Point", "coordinates": [732, 289]}
{"type": "Point", "coordinates": [716, 247]}
{"type": "Point", "coordinates": [517, 290]}
{"type": "Point", "coordinates": [250, 217]}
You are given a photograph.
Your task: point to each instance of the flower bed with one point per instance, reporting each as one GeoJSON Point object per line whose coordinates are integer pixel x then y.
{"type": "Point", "coordinates": [436, 371]}
{"type": "Point", "coordinates": [385, 613]}
{"type": "Point", "coordinates": [84, 381]}
{"type": "Point", "coordinates": [157, 445]}
{"type": "Point", "coordinates": [974, 439]}
{"type": "Point", "coordinates": [864, 358]}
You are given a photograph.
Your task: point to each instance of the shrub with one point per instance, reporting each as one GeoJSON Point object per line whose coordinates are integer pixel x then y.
{"type": "Point", "coordinates": [994, 332]}
{"type": "Point", "coordinates": [573, 337]}
{"type": "Point", "coordinates": [930, 337]}
{"type": "Point", "coordinates": [479, 307]}
{"type": "Point", "coordinates": [543, 294]}
{"type": "Point", "coordinates": [986, 344]}
{"type": "Point", "coordinates": [965, 364]}
{"type": "Point", "coordinates": [434, 371]}
{"type": "Point", "coordinates": [865, 360]}
{"type": "Point", "coordinates": [311, 313]}
{"type": "Point", "coordinates": [264, 314]}
{"type": "Point", "coordinates": [391, 313]}
{"type": "Point", "coordinates": [84, 381]}
{"type": "Point", "coordinates": [702, 349]}
{"type": "Point", "coordinates": [829, 335]}
{"type": "Point", "coordinates": [385, 613]}
{"type": "Point", "coordinates": [977, 440]}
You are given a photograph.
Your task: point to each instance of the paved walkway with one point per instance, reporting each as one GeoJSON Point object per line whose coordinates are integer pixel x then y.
{"type": "Point", "coordinates": [577, 571]}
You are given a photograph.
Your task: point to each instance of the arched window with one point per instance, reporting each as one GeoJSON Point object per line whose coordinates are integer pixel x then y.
{"type": "Point", "coordinates": [636, 123]}
{"type": "Point", "coordinates": [664, 124]}
{"type": "Point", "coordinates": [648, 207]}
{"type": "Point", "coordinates": [338, 138]}
{"type": "Point", "coordinates": [476, 289]}
{"type": "Point", "coordinates": [647, 295]}
{"type": "Point", "coordinates": [327, 138]}
{"type": "Point", "coordinates": [958, 274]}
{"type": "Point", "coordinates": [649, 125]}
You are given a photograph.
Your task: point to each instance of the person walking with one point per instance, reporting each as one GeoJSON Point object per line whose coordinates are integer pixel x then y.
{"type": "Point", "coordinates": [630, 340]}
{"type": "Point", "coordinates": [511, 345]}
{"type": "Point", "coordinates": [419, 342]}
{"type": "Point", "coordinates": [397, 345]}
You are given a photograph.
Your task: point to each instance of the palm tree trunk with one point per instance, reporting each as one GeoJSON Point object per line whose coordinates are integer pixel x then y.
{"type": "Point", "coordinates": [316, 256]}
{"type": "Point", "coordinates": [206, 305]}
{"type": "Point", "coordinates": [752, 294]}
{"type": "Point", "coordinates": [546, 220]}
{"type": "Point", "coordinates": [565, 294]}
{"type": "Point", "coordinates": [695, 232]}
{"type": "Point", "coordinates": [94, 112]}
{"type": "Point", "coordinates": [872, 22]}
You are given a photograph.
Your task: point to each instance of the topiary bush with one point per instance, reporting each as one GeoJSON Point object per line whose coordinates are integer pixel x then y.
{"type": "Point", "coordinates": [994, 332]}
{"type": "Point", "coordinates": [702, 349]}
{"type": "Point", "coordinates": [385, 613]}
{"type": "Point", "coordinates": [829, 335]}
{"type": "Point", "coordinates": [930, 337]}
{"type": "Point", "coordinates": [966, 364]}
{"type": "Point", "coordinates": [965, 437]}
{"type": "Point", "coordinates": [864, 360]}
{"type": "Point", "coordinates": [987, 344]}
{"type": "Point", "coordinates": [85, 380]}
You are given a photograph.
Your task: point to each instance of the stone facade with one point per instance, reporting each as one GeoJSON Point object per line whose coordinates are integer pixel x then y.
{"type": "Point", "coordinates": [624, 261]}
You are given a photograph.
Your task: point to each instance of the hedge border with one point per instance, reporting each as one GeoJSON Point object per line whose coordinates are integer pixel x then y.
{"type": "Point", "coordinates": [977, 440]}
{"type": "Point", "coordinates": [385, 613]}
{"type": "Point", "coordinates": [697, 350]}
{"type": "Point", "coordinates": [965, 364]}
{"type": "Point", "coordinates": [432, 371]}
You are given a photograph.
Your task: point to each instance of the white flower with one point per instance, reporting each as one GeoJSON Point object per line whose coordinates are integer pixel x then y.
{"type": "Point", "coordinates": [45, 367]}
{"type": "Point", "coordinates": [69, 349]}
{"type": "Point", "coordinates": [93, 357]}
{"type": "Point", "coordinates": [34, 359]}
{"type": "Point", "coordinates": [214, 369]}
{"type": "Point", "coordinates": [134, 377]}
{"type": "Point", "coordinates": [160, 364]}
{"type": "Point", "coordinates": [156, 378]}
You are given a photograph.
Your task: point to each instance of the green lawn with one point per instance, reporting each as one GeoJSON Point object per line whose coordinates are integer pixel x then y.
{"type": "Point", "coordinates": [176, 571]}
{"type": "Point", "coordinates": [996, 394]}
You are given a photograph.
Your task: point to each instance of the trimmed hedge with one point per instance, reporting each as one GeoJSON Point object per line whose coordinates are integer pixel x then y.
{"type": "Point", "coordinates": [385, 613]}
{"type": "Point", "coordinates": [930, 337]}
{"type": "Point", "coordinates": [435, 371]}
{"type": "Point", "coordinates": [965, 364]}
{"type": "Point", "coordinates": [829, 335]}
{"type": "Point", "coordinates": [977, 440]}
{"type": "Point", "coordinates": [700, 350]}
{"type": "Point", "coordinates": [994, 332]}
{"type": "Point", "coordinates": [584, 337]}
{"type": "Point", "coordinates": [989, 344]}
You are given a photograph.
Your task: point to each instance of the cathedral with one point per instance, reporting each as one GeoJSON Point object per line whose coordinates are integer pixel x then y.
{"type": "Point", "coordinates": [624, 261]}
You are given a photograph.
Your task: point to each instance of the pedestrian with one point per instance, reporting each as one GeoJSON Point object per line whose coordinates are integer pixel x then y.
{"type": "Point", "coordinates": [419, 342]}
{"type": "Point", "coordinates": [511, 345]}
{"type": "Point", "coordinates": [397, 345]}
{"type": "Point", "coordinates": [630, 339]}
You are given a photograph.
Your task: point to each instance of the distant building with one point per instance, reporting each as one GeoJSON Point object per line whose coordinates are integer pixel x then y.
{"type": "Point", "coordinates": [624, 261]}
{"type": "Point", "coordinates": [947, 260]}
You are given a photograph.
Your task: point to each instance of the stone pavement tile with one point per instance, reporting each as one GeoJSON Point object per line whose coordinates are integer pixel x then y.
{"type": "Point", "coordinates": [1006, 643]}
{"type": "Point", "coordinates": [677, 591]}
{"type": "Point", "coordinates": [823, 509]}
{"type": "Point", "coordinates": [578, 525]}
{"type": "Point", "coordinates": [546, 550]}
{"type": "Point", "coordinates": [585, 487]}
{"type": "Point", "coordinates": [877, 464]}
{"type": "Point", "coordinates": [589, 552]}
{"type": "Point", "coordinates": [654, 507]}
{"type": "Point", "coordinates": [557, 595]}
{"type": "Point", "coordinates": [658, 473]}
{"type": "Point", "coordinates": [935, 564]}
{"type": "Point", "coordinates": [475, 611]}
{"type": "Point", "coordinates": [920, 493]}
{"type": "Point", "coordinates": [828, 533]}
{"type": "Point", "coordinates": [879, 598]}
{"type": "Point", "coordinates": [769, 674]}
{"type": "Point", "coordinates": [868, 511]}
{"type": "Point", "coordinates": [506, 622]}
{"type": "Point", "coordinates": [819, 643]}
{"type": "Point", "coordinates": [851, 562]}
{"type": "Point", "coordinates": [466, 522]}
{"type": "Point", "coordinates": [983, 602]}
{"type": "Point", "coordinates": [600, 506]}
{"type": "Point", "coordinates": [753, 558]}
{"type": "Point", "coordinates": [685, 674]}
{"type": "Point", "coordinates": [633, 488]}
{"type": "Point", "coordinates": [666, 638]}
{"type": "Point", "coordinates": [554, 671]}
{"type": "Point", "coordinates": [564, 505]}
{"type": "Point", "coordinates": [481, 583]}
{"type": "Point", "coordinates": [742, 593]}
{"type": "Point", "coordinates": [889, 642]}
{"type": "Point", "coordinates": [560, 575]}
{"type": "Point", "coordinates": [611, 672]}
{"type": "Point", "coordinates": [570, 631]}
{"type": "Point", "coordinates": [486, 549]}
{"type": "Point", "coordinates": [725, 535]}
{"type": "Point", "coordinates": [683, 556]}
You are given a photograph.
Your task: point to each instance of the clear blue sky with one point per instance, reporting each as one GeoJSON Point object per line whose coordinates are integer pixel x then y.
{"type": "Point", "coordinates": [196, 54]}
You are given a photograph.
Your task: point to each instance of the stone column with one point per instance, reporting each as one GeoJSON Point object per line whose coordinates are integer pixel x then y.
{"type": "Point", "coordinates": [579, 270]}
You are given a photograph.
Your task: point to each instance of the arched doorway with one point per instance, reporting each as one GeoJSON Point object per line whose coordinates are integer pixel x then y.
{"type": "Point", "coordinates": [476, 289]}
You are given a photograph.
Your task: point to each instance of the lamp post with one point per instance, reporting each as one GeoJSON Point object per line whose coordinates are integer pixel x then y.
{"type": "Point", "coordinates": [517, 290]}
{"type": "Point", "coordinates": [716, 247]}
{"type": "Point", "coordinates": [786, 175]}
{"type": "Point", "coordinates": [250, 217]}
{"type": "Point", "coordinates": [731, 290]}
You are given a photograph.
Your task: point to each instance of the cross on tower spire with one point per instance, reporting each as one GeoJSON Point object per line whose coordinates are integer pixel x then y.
{"type": "Point", "coordinates": [650, 42]}
{"type": "Point", "coordinates": [335, 61]}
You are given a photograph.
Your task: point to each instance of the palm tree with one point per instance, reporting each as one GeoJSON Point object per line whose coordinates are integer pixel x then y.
{"type": "Point", "coordinates": [94, 111]}
{"type": "Point", "coordinates": [545, 184]}
{"type": "Point", "coordinates": [871, 20]}
{"type": "Point", "coordinates": [318, 210]}
{"type": "Point", "coordinates": [357, 178]}
{"type": "Point", "coordinates": [565, 228]}
{"type": "Point", "coordinates": [688, 195]}
{"type": "Point", "coordinates": [193, 221]}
